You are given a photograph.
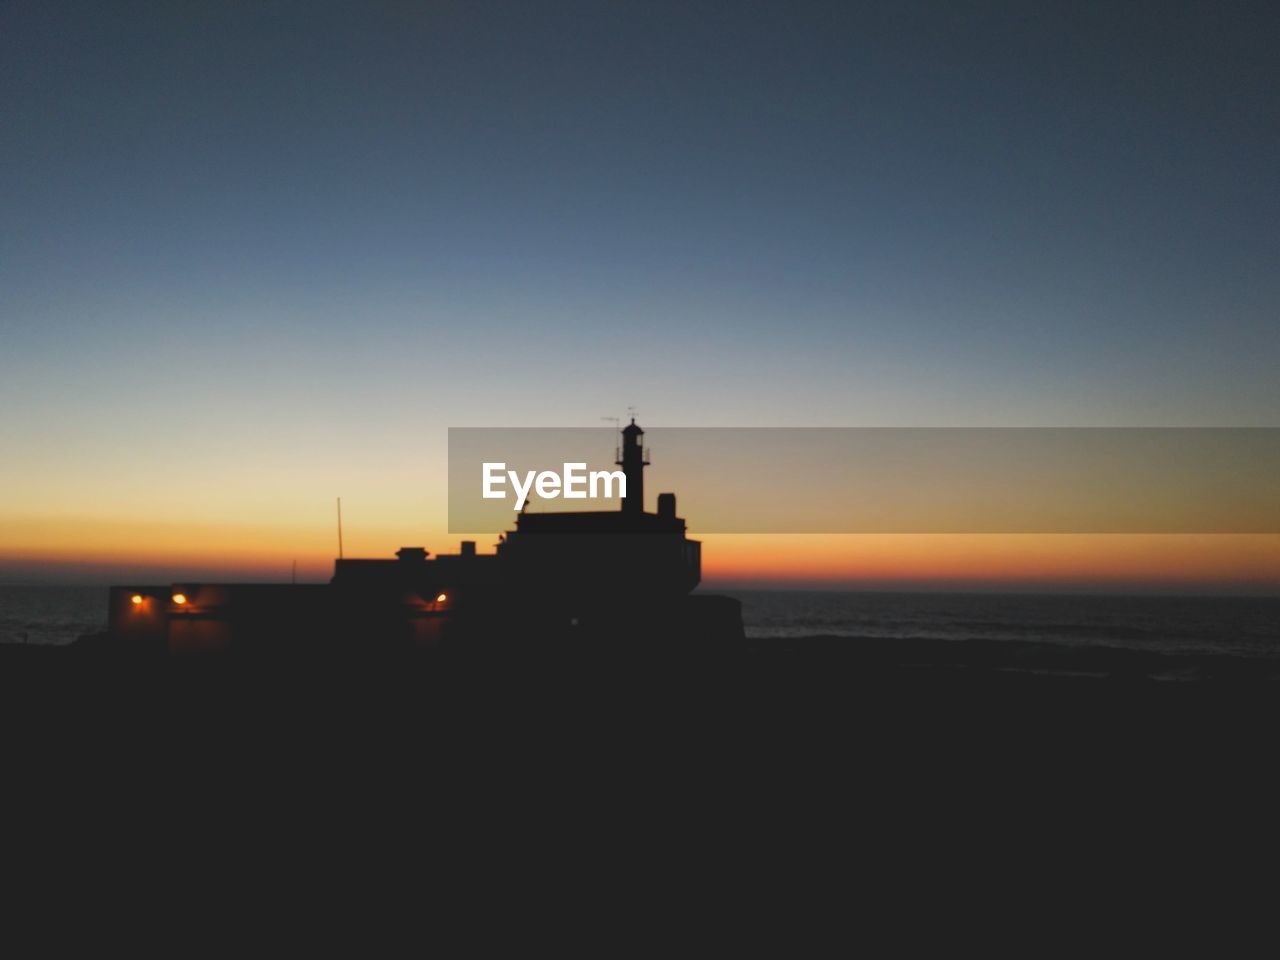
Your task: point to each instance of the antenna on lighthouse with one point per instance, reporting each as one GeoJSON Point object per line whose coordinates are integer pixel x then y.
{"type": "Point", "coordinates": [617, 428]}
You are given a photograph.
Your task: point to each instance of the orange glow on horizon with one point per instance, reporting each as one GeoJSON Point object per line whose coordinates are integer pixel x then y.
{"type": "Point", "coordinates": [1175, 560]}
{"type": "Point", "coordinates": [103, 550]}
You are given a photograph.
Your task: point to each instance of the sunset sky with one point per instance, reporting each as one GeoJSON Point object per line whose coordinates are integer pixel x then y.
{"type": "Point", "coordinates": [258, 256]}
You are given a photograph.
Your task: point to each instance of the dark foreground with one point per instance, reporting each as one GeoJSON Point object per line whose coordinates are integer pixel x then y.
{"type": "Point", "coordinates": [664, 779]}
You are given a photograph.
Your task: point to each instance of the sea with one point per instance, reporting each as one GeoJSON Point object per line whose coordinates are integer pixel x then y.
{"type": "Point", "coordinates": [1239, 626]}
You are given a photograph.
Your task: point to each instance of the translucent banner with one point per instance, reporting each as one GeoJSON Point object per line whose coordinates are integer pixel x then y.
{"type": "Point", "coordinates": [886, 480]}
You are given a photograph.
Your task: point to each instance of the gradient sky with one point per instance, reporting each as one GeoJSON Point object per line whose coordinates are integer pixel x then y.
{"type": "Point", "coordinates": [258, 255]}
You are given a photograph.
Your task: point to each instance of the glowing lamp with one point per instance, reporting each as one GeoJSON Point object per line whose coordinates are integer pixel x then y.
{"type": "Point", "coordinates": [136, 599]}
{"type": "Point", "coordinates": [442, 598]}
{"type": "Point", "coordinates": [179, 598]}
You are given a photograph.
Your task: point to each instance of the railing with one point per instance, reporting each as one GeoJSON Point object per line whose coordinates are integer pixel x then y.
{"type": "Point", "coordinates": [644, 455]}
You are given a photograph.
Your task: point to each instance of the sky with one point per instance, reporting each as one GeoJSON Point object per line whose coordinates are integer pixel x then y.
{"type": "Point", "coordinates": [256, 256]}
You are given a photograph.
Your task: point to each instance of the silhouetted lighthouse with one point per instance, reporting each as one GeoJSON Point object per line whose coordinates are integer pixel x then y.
{"type": "Point", "coordinates": [633, 460]}
{"type": "Point", "coordinates": [586, 574]}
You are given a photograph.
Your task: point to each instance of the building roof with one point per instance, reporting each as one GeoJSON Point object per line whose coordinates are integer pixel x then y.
{"type": "Point", "coordinates": [603, 521]}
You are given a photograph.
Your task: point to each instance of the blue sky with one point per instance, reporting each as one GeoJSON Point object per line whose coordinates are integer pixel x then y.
{"type": "Point", "coordinates": [1076, 200]}
{"type": "Point", "coordinates": [264, 233]}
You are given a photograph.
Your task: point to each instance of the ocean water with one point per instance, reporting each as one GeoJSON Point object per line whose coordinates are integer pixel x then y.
{"type": "Point", "coordinates": [51, 614]}
{"type": "Point", "coordinates": [1243, 626]}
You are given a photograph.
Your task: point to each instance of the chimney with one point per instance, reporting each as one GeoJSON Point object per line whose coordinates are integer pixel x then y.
{"type": "Point", "coordinates": [468, 548]}
{"type": "Point", "coordinates": [667, 506]}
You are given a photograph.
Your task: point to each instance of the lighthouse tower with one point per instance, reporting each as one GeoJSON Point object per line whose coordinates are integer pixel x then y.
{"type": "Point", "coordinates": [629, 552]}
{"type": "Point", "coordinates": [633, 459]}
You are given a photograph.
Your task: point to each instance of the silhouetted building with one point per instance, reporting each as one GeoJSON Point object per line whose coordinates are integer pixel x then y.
{"type": "Point", "coordinates": [602, 573]}
{"type": "Point", "coordinates": [606, 553]}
